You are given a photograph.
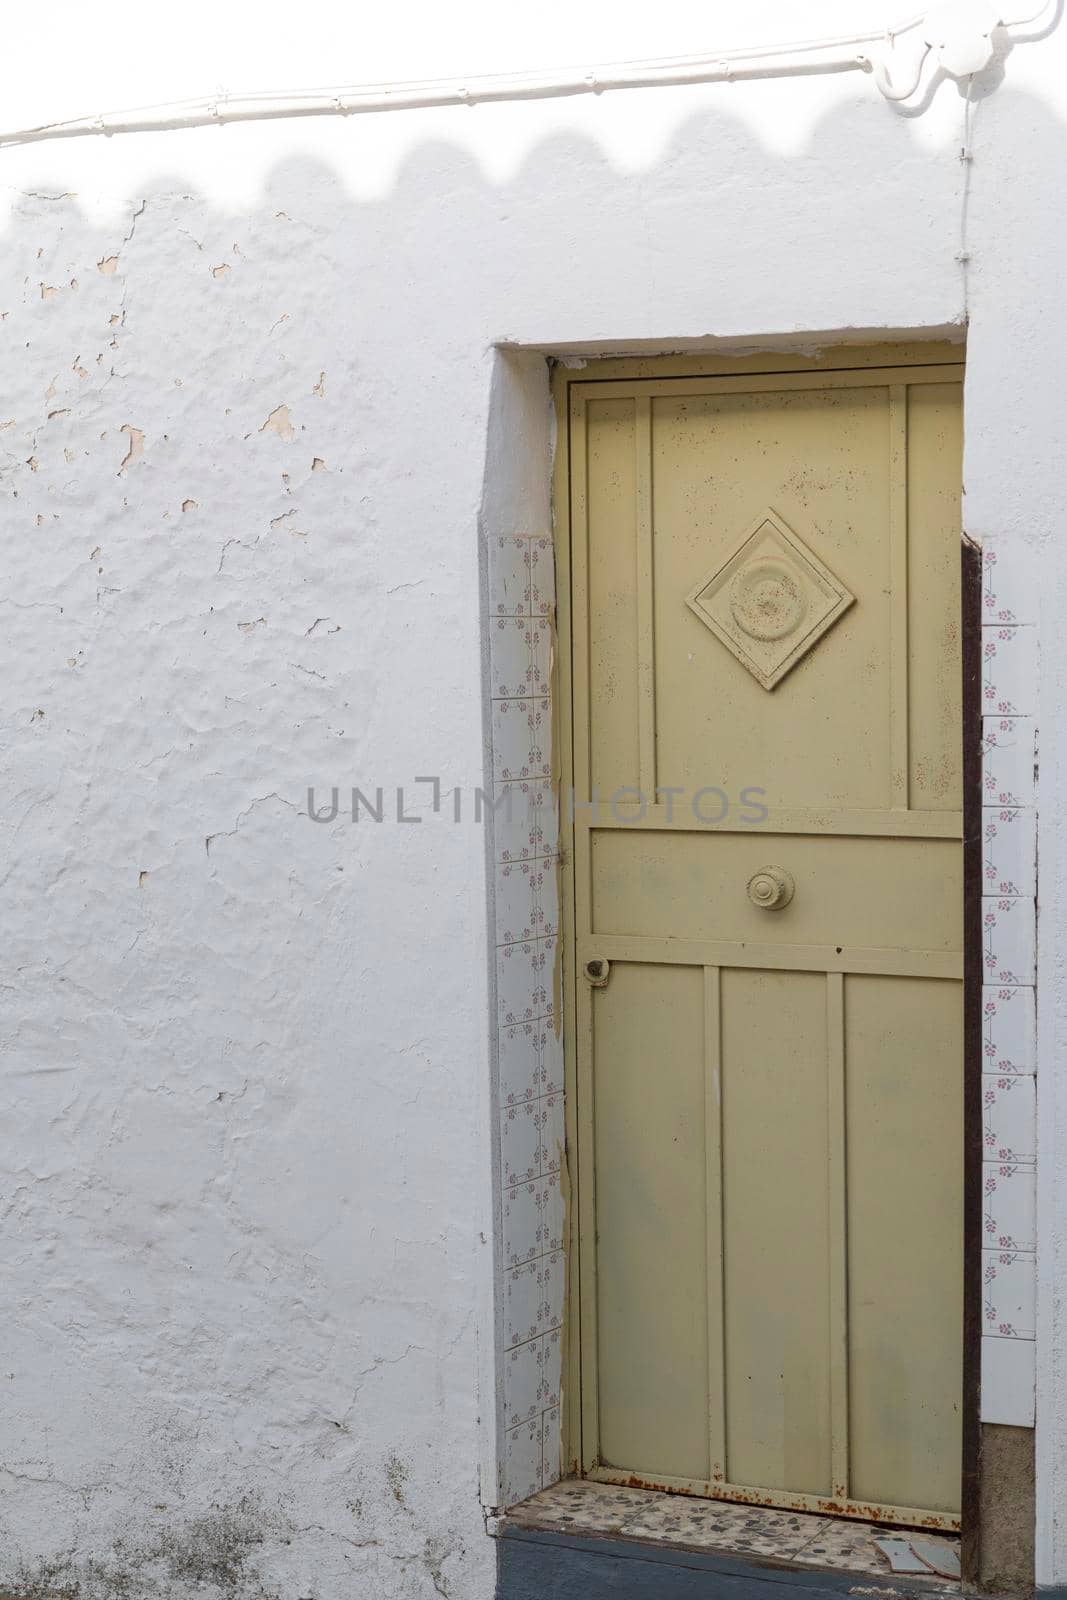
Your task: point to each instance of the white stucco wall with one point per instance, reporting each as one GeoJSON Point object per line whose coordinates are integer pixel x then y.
{"type": "Point", "coordinates": [250, 1220]}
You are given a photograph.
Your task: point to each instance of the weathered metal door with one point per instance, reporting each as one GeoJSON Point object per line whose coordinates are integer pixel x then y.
{"type": "Point", "coordinates": [768, 916]}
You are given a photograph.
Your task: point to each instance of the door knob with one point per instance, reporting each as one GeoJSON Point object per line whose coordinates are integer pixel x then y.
{"type": "Point", "coordinates": [771, 888]}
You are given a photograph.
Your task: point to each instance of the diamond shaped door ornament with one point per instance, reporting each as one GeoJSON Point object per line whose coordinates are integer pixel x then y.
{"type": "Point", "coordinates": [771, 601]}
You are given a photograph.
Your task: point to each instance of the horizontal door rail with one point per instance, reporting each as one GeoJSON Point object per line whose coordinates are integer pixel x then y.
{"type": "Point", "coordinates": [947, 964]}
{"type": "Point", "coordinates": [687, 812]}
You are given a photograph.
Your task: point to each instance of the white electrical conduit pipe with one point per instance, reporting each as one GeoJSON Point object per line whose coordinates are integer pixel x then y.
{"type": "Point", "coordinates": [845, 54]}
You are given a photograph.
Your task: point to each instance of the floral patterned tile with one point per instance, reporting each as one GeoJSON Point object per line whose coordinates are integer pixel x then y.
{"type": "Point", "coordinates": [1008, 591]}
{"type": "Point", "coordinates": [509, 576]}
{"type": "Point", "coordinates": [553, 1283]}
{"type": "Point", "coordinates": [523, 1304]}
{"type": "Point", "coordinates": [522, 1461]}
{"type": "Point", "coordinates": [1008, 850]}
{"type": "Point", "coordinates": [550, 1445]}
{"type": "Point", "coordinates": [1008, 1029]}
{"type": "Point", "coordinates": [1008, 939]}
{"type": "Point", "coordinates": [542, 577]}
{"type": "Point", "coordinates": [1008, 1205]}
{"type": "Point", "coordinates": [1008, 1293]}
{"type": "Point", "coordinates": [520, 1142]}
{"type": "Point", "coordinates": [1009, 671]}
{"type": "Point", "coordinates": [523, 982]}
{"type": "Point", "coordinates": [552, 1212]}
{"type": "Point", "coordinates": [548, 898]}
{"type": "Point", "coordinates": [522, 1223]}
{"type": "Point", "coordinates": [551, 1062]}
{"type": "Point", "coordinates": [509, 657]}
{"type": "Point", "coordinates": [551, 1369]}
{"type": "Point", "coordinates": [525, 822]}
{"type": "Point", "coordinates": [522, 1383]}
{"type": "Point", "coordinates": [520, 1063]}
{"type": "Point", "coordinates": [516, 902]}
{"type": "Point", "coordinates": [1009, 1117]}
{"type": "Point", "coordinates": [522, 739]}
{"type": "Point", "coordinates": [541, 647]}
{"type": "Point", "coordinates": [553, 1132]}
{"type": "Point", "coordinates": [1008, 752]}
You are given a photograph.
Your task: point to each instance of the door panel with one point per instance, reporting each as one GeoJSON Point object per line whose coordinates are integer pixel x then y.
{"type": "Point", "coordinates": [904, 1092]}
{"type": "Point", "coordinates": [776, 1275]}
{"type": "Point", "coordinates": [651, 1258]}
{"type": "Point", "coordinates": [820, 460]}
{"type": "Point", "coordinates": [765, 607]}
{"type": "Point", "coordinates": [853, 892]}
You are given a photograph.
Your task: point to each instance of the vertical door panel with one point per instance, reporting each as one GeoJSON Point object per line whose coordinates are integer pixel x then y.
{"type": "Point", "coordinates": [904, 1119]}
{"type": "Point", "coordinates": [612, 595]}
{"type": "Point", "coordinates": [935, 445]}
{"type": "Point", "coordinates": [819, 460]}
{"type": "Point", "coordinates": [775, 1225]}
{"type": "Point", "coordinates": [651, 1229]}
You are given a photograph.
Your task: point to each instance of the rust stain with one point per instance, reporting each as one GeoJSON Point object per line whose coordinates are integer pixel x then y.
{"type": "Point", "coordinates": [853, 1510]}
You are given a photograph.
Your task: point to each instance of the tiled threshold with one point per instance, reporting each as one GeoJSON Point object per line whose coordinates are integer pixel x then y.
{"type": "Point", "coordinates": [756, 1535]}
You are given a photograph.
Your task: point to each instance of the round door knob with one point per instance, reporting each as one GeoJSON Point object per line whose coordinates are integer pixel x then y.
{"type": "Point", "coordinates": [771, 888]}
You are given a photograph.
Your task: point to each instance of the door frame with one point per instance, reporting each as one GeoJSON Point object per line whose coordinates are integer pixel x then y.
{"type": "Point", "coordinates": [579, 1215]}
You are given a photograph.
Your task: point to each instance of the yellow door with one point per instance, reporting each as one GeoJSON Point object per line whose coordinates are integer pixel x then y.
{"type": "Point", "coordinates": [767, 900]}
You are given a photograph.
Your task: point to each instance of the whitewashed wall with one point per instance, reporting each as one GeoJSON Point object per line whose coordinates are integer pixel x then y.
{"type": "Point", "coordinates": [262, 470]}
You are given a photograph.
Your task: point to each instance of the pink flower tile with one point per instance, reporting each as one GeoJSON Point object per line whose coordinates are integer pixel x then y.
{"type": "Point", "coordinates": [553, 1131]}
{"type": "Point", "coordinates": [1008, 755]}
{"type": "Point", "coordinates": [1008, 850]}
{"type": "Point", "coordinates": [546, 961]}
{"type": "Point", "coordinates": [517, 919]}
{"type": "Point", "coordinates": [521, 991]}
{"type": "Point", "coordinates": [552, 1212]}
{"type": "Point", "coordinates": [1009, 1118]}
{"type": "Point", "coordinates": [509, 576]}
{"type": "Point", "coordinates": [1008, 1205]}
{"type": "Point", "coordinates": [525, 822]}
{"type": "Point", "coordinates": [551, 1368]}
{"type": "Point", "coordinates": [520, 1142]}
{"type": "Point", "coordinates": [522, 1223]}
{"type": "Point", "coordinates": [539, 664]}
{"type": "Point", "coordinates": [1008, 1294]}
{"type": "Point", "coordinates": [522, 1461]}
{"type": "Point", "coordinates": [1008, 589]}
{"type": "Point", "coordinates": [1008, 938]}
{"type": "Point", "coordinates": [552, 1290]}
{"type": "Point", "coordinates": [520, 1068]}
{"type": "Point", "coordinates": [522, 739]}
{"type": "Point", "coordinates": [1008, 1029]}
{"type": "Point", "coordinates": [551, 1061]}
{"type": "Point", "coordinates": [1009, 671]}
{"type": "Point", "coordinates": [522, 1383]}
{"type": "Point", "coordinates": [511, 736]}
{"type": "Point", "coordinates": [550, 1447]}
{"type": "Point", "coordinates": [523, 1304]}
{"type": "Point", "coordinates": [542, 577]}
{"type": "Point", "coordinates": [548, 898]}
{"type": "Point", "coordinates": [509, 657]}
